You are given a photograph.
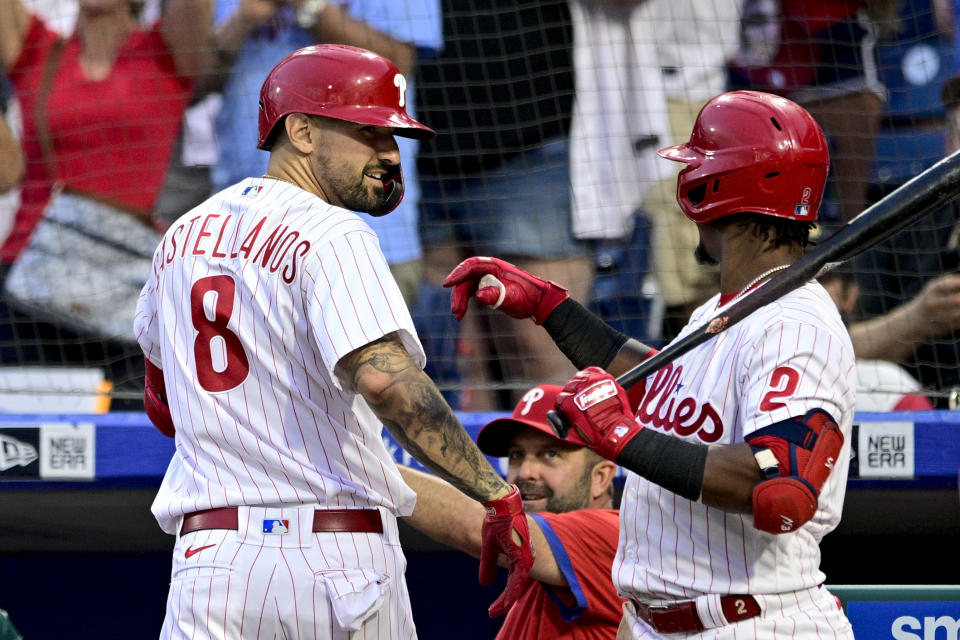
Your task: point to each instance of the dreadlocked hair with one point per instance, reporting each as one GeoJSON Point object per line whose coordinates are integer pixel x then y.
{"type": "Point", "coordinates": [777, 231]}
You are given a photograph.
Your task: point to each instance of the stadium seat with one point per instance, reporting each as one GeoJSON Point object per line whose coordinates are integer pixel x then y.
{"type": "Point", "coordinates": [903, 152]}
{"type": "Point", "coordinates": [913, 64]}
{"type": "Point", "coordinates": [914, 72]}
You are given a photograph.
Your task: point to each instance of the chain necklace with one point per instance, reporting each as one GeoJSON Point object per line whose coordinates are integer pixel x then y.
{"type": "Point", "coordinates": [763, 275]}
{"type": "Point", "coordinates": [272, 177]}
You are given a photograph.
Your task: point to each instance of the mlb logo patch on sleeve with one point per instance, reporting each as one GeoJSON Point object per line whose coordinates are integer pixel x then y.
{"type": "Point", "coordinates": [276, 526]}
{"type": "Point", "coordinates": [252, 191]}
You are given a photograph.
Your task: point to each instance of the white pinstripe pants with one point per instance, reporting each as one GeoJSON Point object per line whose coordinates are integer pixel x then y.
{"type": "Point", "coordinates": [248, 585]}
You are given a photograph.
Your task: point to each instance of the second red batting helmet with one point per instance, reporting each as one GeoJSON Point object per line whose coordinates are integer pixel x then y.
{"type": "Point", "coordinates": [752, 151]}
{"type": "Point", "coordinates": [337, 81]}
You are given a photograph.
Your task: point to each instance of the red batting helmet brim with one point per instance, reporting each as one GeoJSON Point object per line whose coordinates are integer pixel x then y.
{"type": "Point", "coordinates": [682, 153]}
{"type": "Point", "coordinates": [403, 125]}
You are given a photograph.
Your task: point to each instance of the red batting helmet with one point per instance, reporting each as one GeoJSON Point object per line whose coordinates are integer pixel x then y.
{"type": "Point", "coordinates": [337, 81]}
{"type": "Point", "coordinates": [752, 151]}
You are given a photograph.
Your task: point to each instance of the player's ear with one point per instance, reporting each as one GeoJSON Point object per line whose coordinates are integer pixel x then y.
{"type": "Point", "coordinates": [601, 477]}
{"type": "Point", "coordinates": [301, 135]}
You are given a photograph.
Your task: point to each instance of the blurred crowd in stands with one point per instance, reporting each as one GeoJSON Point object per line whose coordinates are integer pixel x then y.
{"type": "Point", "coordinates": [121, 115]}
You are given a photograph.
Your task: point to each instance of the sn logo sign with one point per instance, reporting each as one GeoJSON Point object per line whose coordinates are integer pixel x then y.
{"type": "Point", "coordinates": [903, 628]}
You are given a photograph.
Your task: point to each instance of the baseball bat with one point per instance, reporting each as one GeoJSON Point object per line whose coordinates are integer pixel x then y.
{"type": "Point", "coordinates": [911, 201]}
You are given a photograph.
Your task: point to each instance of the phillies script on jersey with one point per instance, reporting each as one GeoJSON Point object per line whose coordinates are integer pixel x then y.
{"type": "Point", "coordinates": [661, 408]}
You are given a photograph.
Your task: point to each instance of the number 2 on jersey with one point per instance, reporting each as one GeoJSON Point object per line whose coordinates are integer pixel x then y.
{"type": "Point", "coordinates": [214, 338]}
{"type": "Point", "coordinates": [784, 381]}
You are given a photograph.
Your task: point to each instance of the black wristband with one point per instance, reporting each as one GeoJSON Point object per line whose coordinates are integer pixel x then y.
{"type": "Point", "coordinates": [672, 463]}
{"type": "Point", "coordinates": [583, 337]}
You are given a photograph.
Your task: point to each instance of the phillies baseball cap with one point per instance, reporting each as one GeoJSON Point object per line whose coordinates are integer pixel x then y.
{"type": "Point", "coordinates": [494, 438]}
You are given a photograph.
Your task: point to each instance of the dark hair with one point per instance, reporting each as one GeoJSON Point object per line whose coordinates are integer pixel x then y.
{"type": "Point", "coordinates": [950, 94]}
{"type": "Point", "coordinates": [778, 231]}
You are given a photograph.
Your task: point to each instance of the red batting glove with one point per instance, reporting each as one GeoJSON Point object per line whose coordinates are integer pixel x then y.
{"type": "Point", "coordinates": [526, 296]}
{"type": "Point", "coordinates": [598, 411]}
{"type": "Point", "coordinates": [505, 517]}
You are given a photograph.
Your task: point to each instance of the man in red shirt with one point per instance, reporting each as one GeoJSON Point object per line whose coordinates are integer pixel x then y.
{"type": "Point", "coordinates": [568, 496]}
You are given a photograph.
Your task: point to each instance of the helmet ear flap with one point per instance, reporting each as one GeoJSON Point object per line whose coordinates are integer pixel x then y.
{"type": "Point", "coordinates": [268, 138]}
{"type": "Point", "coordinates": [696, 195]}
{"type": "Point", "coordinates": [394, 194]}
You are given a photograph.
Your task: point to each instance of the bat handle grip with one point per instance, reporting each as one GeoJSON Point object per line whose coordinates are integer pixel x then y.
{"type": "Point", "coordinates": [559, 423]}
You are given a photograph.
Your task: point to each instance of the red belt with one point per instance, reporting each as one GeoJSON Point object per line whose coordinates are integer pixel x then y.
{"type": "Point", "coordinates": [682, 617]}
{"type": "Point", "coordinates": [324, 520]}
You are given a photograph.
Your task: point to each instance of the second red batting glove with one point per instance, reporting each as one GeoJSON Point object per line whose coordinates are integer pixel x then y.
{"type": "Point", "coordinates": [598, 411]}
{"type": "Point", "coordinates": [523, 295]}
{"type": "Point", "coordinates": [505, 519]}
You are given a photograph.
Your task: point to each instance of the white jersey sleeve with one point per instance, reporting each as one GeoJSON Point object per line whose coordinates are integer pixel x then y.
{"type": "Point", "coordinates": [352, 299]}
{"type": "Point", "coordinates": [795, 366]}
{"type": "Point", "coordinates": [145, 325]}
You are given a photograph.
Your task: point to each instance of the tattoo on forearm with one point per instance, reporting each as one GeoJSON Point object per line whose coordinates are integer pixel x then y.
{"type": "Point", "coordinates": [443, 446]}
{"type": "Point", "coordinates": [416, 415]}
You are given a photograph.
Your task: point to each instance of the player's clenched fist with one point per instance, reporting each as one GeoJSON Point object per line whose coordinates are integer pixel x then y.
{"type": "Point", "coordinates": [505, 531]}
{"type": "Point", "coordinates": [598, 411]}
{"type": "Point", "coordinates": [515, 292]}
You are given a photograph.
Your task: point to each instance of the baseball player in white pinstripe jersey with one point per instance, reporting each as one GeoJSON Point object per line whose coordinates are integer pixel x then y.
{"type": "Point", "coordinates": [277, 346]}
{"type": "Point", "coordinates": [738, 450]}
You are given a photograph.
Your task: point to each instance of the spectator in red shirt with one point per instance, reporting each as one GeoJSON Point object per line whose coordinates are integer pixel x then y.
{"type": "Point", "coordinates": [568, 496]}
{"type": "Point", "coordinates": [101, 112]}
{"type": "Point", "coordinates": [115, 101]}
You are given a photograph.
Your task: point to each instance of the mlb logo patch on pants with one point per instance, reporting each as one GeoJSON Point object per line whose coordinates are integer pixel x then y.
{"type": "Point", "coordinates": [276, 526]}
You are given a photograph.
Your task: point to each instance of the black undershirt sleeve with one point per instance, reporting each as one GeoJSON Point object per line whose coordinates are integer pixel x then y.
{"type": "Point", "coordinates": [674, 464]}
{"type": "Point", "coordinates": [582, 336]}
